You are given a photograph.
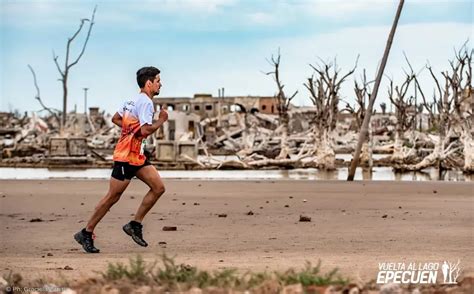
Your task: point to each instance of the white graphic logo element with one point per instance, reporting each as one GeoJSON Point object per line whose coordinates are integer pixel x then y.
{"type": "Point", "coordinates": [418, 273]}
{"type": "Point", "coordinates": [450, 272]}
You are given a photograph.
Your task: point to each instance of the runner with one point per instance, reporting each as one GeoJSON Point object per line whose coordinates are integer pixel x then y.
{"type": "Point", "coordinates": [135, 117]}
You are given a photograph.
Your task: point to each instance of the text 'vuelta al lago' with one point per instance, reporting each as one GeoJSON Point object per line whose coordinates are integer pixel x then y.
{"type": "Point", "coordinates": [407, 273]}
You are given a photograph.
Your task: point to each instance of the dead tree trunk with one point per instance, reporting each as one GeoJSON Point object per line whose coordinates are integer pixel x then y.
{"type": "Point", "coordinates": [324, 94]}
{"type": "Point", "coordinates": [365, 125]}
{"type": "Point", "coordinates": [463, 99]}
{"type": "Point", "coordinates": [440, 120]}
{"type": "Point", "coordinates": [453, 115]}
{"type": "Point", "coordinates": [362, 92]}
{"type": "Point", "coordinates": [404, 108]}
{"type": "Point", "coordinates": [282, 104]}
{"type": "Point", "coordinates": [468, 145]}
{"type": "Point", "coordinates": [64, 72]}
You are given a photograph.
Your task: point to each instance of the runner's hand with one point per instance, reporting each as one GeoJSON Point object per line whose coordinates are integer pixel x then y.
{"type": "Point", "coordinates": [163, 116]}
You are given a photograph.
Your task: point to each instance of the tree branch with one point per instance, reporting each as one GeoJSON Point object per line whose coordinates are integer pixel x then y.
{"type": "Point", "coordinates": [38, 96]}
{"type": "Point", "coordinates": [91, 24]}
{"type": "Point", "coordinates": [55, 58]}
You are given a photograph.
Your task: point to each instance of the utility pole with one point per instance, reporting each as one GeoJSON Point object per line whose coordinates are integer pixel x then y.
{"type": "Point", "coordinates": [85, 100]}
{"type": "Point", "coordinates": [368, 112]}
{"type": "Point", "coordinates": [219, 108]}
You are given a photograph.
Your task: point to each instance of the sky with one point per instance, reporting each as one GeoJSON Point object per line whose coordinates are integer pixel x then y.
{"type": "Point", "coordinates": [203, 45]}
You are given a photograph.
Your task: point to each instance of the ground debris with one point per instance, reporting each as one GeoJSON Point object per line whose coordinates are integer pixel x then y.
{"type": "Point", "coordinates": [36, 220]}
{"type": "Point", "coordinates": [304, 218]}
{"type": "Point", "coordinates": [170, 228]}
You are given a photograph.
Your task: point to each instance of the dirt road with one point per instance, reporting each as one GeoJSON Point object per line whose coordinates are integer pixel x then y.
{"type": "Point", "coordinates": [354, 226]}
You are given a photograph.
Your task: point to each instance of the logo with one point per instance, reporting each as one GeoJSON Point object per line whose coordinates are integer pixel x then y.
{"type": "Point", "coordinates": [450, 272]}
{"type": "Point", "coordinates": [418, 273]}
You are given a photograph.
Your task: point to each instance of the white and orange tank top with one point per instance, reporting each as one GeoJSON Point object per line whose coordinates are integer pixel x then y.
{"type": "Point", "coordinates": [135, 113]}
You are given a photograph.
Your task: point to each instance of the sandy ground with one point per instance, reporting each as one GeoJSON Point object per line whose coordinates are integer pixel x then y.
{"type": "Point", "coordinates": [425, 222]}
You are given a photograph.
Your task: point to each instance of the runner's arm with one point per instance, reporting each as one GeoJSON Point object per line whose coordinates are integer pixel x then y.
{"type": "Point", "coordinates": [117, 119]}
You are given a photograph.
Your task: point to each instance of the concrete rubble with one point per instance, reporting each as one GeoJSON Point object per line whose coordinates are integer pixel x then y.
{"type": "Point", "coordinates": [245, 137]}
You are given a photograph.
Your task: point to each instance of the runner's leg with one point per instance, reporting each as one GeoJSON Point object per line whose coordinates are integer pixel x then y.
{"type": "Point", "coordinates": [116, 188]}
{"type": "Point", "coordinates": [149, 175]}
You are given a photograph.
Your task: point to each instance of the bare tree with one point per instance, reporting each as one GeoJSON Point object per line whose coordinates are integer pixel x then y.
{"type": "Point", "coordinates": [463, 100]}
{"type": "Point", "coordinates": [324, 86]}
{"type": "Point", "coordinates": [439, 111]}
{"type": "Point", "coordinates": [404, 112]}
{"type": "Point", "coordinates": [363, 92]}
{"type": "Point", "coordinates": [69, 63]}
{"type": "Point", "coordinates": [450, 115]}
{"type": "Point", "coordinates": [454, 270]}
{"type": "Point", "coordinates": [282, 104]}
{"type": "Point", "coordinates": [365, 126]}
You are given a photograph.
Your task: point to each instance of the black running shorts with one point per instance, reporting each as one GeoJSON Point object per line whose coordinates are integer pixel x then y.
{"type": "Point", "coordinates": [124, 171]}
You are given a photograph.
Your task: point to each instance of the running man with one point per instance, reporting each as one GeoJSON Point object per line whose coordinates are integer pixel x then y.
{"type": "Point", "coordinates": [135, 117]}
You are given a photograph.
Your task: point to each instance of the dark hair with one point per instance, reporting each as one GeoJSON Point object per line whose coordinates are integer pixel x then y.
{"type": "Point", "coordinates": [147, 73]}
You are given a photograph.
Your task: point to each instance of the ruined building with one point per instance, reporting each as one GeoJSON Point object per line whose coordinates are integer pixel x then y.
{"type": "Point", "coordinates": [207, 106]}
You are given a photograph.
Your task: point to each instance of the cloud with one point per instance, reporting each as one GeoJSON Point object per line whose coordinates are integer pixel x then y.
{"type": "Point", "coordinates": [239, 67]}
{"type": "Point", "coordinates": [126, 14]}
{"type": "Point", "coordinates": [421, 42]}
{"type": "Point", "coordinates": [39, 14]}
{"type": "Point", "coordinates": [208, 6]}
{"type": "Point", "coordinates": [261, 18]}
{"type": "Point", "coordinates": [343, 10]}
{"type": "Point", "coordinates": [195, 60]}
{"type": "Point", "coordinates": [338, 9]}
